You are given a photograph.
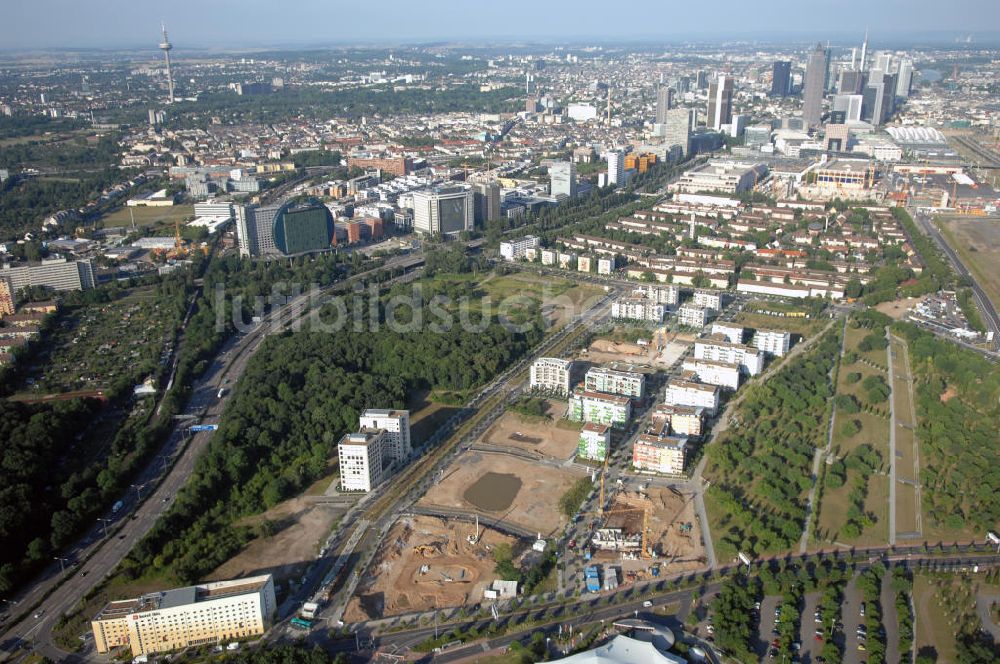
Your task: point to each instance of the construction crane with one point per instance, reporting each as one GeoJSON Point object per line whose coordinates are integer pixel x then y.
{"type": "Point", "coordinates": [644, 551]}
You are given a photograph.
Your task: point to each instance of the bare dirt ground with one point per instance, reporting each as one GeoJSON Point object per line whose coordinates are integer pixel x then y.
{"type": "Point", "coordinates": [456, 571]}
{"type": "Point", "coordinates": [536, 435]}
{"type": "Point", "coordinates": [535, 505]}
{"type": "Point", "coordinates": [674, 529]}
{"type": "Point", "coordinates": [303, 526]}
{"type": "Point", "coordinates": [661, 353]}
{"type": "Point", "coordinates": [895, 309]}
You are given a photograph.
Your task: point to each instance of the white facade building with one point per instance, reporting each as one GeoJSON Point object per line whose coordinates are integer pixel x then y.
{"type": "Point", "coordinates": [626, 383]}
{"type": "Point", "coordinates": [692, 315]}
{"type": "Point", "coordinates": [598, 407]}
{"type": "Point", "coordinates": [512, 250]}
{"type": "Point", "coordinates": [723, 374]}
{"type": "Point", "coordinates": [595, 441]}
{"type": "Point", "coordinates": [710, 299]}
{"type": "Point", "coordinates": [361, 457]}
{"type": "Point", "coordinates": [772, 342]}
{"type": "Point", "coordinates": [688, 393]}
{"type": "Point", "coordinates": [209, 613]}
{"type": "Point", "coordinates": [446, 210]}
{"type": "Point", "coordinates": [750, 360]}
{"type": "Point", "coordinates": [733, 333]}
{"type": "Point", "coordinates": [396, 424]}
{"type": "Point", "coordinates": [638, 308]}
{"type": "Point", "coordinates": [551, 374]}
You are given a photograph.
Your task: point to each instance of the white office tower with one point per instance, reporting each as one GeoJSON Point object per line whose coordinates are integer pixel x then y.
{"type": "Point", "coordinates": [396, 424]}
{"type": "Point", "coordinates": [904, 81]}
{"type": "Point", "coordinates": [616, 167]}
{"type": "Point", "coordinates": [720, 102]}
{"type": "Point", "coordinates": [361, 456]}
{"type": "Point", "coordinates": [445, 210]}
{"type": "Point", "coordinates": [850, 105]}
{"type": "Point", "coordinates": [562, 177]}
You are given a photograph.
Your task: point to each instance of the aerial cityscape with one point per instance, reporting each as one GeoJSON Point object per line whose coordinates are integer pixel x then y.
{"type": "Point", "coordinates": [448, 332]}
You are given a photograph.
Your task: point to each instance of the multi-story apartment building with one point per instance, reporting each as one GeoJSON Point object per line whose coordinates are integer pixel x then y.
{"type": "Point", "coordinates": [732, 333]}
{"type": "Point", "coordinates": [361, 457]}
{"type": "Point", "coordinates": [396, 424]}
{"type": "Point", "coordinates": [585, 406]}
{"type": "Point", "coordinates": [638, 308]}
{"type": "Point", "coordinates": [208, 613]}
{"type": "Point", "coordinates": [595, 441]}
{"type": "Point", "coordinates": [551, 374]}
{"type": "Point", "coordinates": [688, 393]}
{"type": "Point", "coordinates": [772, 342]}
{"type": "Point", "coordinates": [58, 274]}
{"type": "Point", "coordinates": [723, 374]}
{"type": "Point", "coordinates": [750, 360]}
{"type": "Point", "coordinates": [626, 383]}
{"type": "Point", "coordinates": [692, 315]}
{"type": "Point", "coordinates": [512, 250]}
{"type": "Point", "coordinates": [681, 420]}
{"type": "Point", "coordinates": [659, 454]}
{"type": "Point", "coordinates": [668, 295]}
{"type": "Point", "coordinates": [710, 299]}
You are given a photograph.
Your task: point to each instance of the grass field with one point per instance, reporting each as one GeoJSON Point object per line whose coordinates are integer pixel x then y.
{"type": "Point", "coordinates": [931, 630]}
{"type": "Point", "coordinates": [977, 241]}
{"type": "Point", "coordinates": [805, 327]}
{"type": "Point", "coordinates": [907, 474]}
{"type": "Point", "coordinates": [147, 216]}
{"type": "Point", "coordinates": [875, 432]}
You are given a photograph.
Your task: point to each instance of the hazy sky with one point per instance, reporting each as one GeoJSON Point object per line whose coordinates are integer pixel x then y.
{"type": "Point", "coordinates": [256, 23]}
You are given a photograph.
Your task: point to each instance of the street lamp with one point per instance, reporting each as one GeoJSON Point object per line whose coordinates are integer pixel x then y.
{"type": "Point", "coordinates": [105, 522]}
{"type": "Point", "coordinates": [62, 563]}
{"type": "Point", "coordinates": [138, 490]}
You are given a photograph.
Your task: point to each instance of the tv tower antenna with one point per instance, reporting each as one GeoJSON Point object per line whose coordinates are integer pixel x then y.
{"type": "Point", "coordinates": [165, 46]}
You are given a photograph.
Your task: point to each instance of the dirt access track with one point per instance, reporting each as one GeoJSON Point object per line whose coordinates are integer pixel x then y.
{"type": "Point", "coordinates": [516, 490]}
{"type": "Point", "coordinates": [426, 563]}
{"type": "Point", "coordinates": [535, 434]}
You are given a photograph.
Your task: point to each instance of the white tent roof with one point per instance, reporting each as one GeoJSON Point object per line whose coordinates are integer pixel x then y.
{"type": "Point", "coordinates": [624, 650]}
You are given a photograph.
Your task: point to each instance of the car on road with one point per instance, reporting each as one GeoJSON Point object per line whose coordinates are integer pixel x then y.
{"type": "Point", "coordinates": [38, 614]}
{"type": "Point", "coordinates": [862, 612]}
{"type": "Point", "coordinates": [647, 604]}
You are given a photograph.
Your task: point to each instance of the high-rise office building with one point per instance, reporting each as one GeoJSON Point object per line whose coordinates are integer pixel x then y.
{"type": "Point", "coordinates": [446, 210]}
{"type": "Point", "coordinates": [283, 230]}
{"type": "Point", "coordinates": [562, 179]}
{"type": "Point", "coordinates": [616, 167]}
{"type": "Point", "coordinates": [720, 102]}
{"type": "Point", "coordinates": [664, 102]}
{"type": "Point", "coordinates": [487, 198]}
{"type": "Point", "coordinates": [879, 98]}
{"type": "Point", "coordinates": [678, 129]}
{"type": "Point", "coordinates": [396, 424]}
{"type": "Point", "coordinates": [701, 80]}
{"type": "Point", "coordinates": [851, 82]}
{"type": "Point", "coordinates": [812, 90]}
{"type": "Point", "coordinates": [361, 456]}
{"type": "Point", "coordinates": [863, 59]}
{"type": "Point", "coordinates": [905, 83]}
{"type": "Point", "coordinates": [781, 78]}
{"type": "Point", "coordinates": [883, 61]}
{"type": "Point", "coordinates": [849, 105]}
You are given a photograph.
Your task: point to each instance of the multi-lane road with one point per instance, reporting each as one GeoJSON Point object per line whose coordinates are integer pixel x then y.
{"type": "Point", "coordinates": [982, 300]}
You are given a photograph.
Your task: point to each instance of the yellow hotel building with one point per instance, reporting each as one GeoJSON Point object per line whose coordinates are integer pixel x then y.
{"type": "Point", "coordinates": [172, 619]}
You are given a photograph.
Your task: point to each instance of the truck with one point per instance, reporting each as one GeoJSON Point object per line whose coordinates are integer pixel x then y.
{"type": "Point", "coordinates": [117, 506]}
{"type": "Point", "coordinates": [593, 579]}
{"type": "Point", "coordinates": [222, 392]}
{"type": "Point", "coordinates": [308, 610]}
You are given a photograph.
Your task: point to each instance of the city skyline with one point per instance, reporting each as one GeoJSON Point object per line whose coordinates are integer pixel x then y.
{"type": "Point", "coordinates": [115, 24]}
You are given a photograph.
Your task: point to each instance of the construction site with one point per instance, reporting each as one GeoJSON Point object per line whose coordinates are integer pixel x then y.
{"type": "Point", "coordinates": [660, 351]}
{"type": "Point", "coordinates": [426, 563]}
{"type": "Point", "coordinates": [665, 516]}
{"type": "Point", "coordinates": [548, 436]}
{"type": "Point", "coordinates": [523, 492]}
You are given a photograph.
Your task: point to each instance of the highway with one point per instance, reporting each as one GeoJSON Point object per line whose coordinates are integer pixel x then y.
{"type": "Point", "coordinates": [989, 312]}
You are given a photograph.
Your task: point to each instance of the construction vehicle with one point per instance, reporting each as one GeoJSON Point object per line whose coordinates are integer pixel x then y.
{"type": "Point", "coordinates": [425, 550]}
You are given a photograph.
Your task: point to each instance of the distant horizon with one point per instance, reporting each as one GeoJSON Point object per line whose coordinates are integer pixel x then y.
{"type": "Point", "coordinates": [112, 25]}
